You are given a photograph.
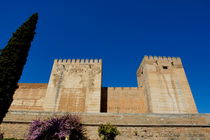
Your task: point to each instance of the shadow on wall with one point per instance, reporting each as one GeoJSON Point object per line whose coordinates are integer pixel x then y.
{"type": "Point", "coordinates": [104, 99]}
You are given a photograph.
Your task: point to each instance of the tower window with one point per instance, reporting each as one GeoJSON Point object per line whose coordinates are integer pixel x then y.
{"type": "Point", "coordinates": [165, 67]}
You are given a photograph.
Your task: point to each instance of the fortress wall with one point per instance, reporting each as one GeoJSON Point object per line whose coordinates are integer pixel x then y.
{"type": "Point", "coordinates": [166, 85]}
{"type": "Point", "coordinates": [131, 126]}
{"type": "Point", "coordinates": [184, 91]}
{"type": "Point", "coordinates": [126, 100]}
{"type": "Point", "coordinates": [74, 86]}
{"type": "Point", "coordinates": [72, 100]}
{"type": "Point", "coordinates": [29, 97]}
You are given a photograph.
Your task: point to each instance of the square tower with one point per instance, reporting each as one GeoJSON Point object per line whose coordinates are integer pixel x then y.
{"type": "Point", "coordinates": [74, 86]}
{"type": "Point", "coordinates": [166, 85]}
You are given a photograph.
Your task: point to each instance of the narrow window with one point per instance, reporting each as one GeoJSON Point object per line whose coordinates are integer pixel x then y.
{"type": "Point", "coordinates": [165, 67]}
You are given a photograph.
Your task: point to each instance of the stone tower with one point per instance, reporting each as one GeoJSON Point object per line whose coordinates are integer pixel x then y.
{"type": "Point", "coordinates": [74, 86]}
{"type": "Point", "coordinates": [165, 83]}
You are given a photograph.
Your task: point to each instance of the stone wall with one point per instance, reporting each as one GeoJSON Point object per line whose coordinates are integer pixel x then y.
{"type": "Point", "coordinates": [113, 99]}
{"type": "Point", "coordinates": [166, 85]}
{"type": "Point", "coordinates": [126, 99]}
{"type": "Point", "coordinates": [131, 126]}
{"type": "Point", "coordinates": [74, 86]}
{"type": "Point", "coordinates": [29, 97]}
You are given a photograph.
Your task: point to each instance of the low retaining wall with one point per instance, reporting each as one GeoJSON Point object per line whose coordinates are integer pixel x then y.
{"type": "Point", "coordinates": [131, 126]}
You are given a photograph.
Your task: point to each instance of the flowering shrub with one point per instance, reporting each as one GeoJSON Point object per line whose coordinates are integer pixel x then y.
{"type": "Point", "coordinates": [2, 137]}
{"type": "Point", "coordinates": [57, 128]}
{"type": "Point", "coordinates": [108, 132]}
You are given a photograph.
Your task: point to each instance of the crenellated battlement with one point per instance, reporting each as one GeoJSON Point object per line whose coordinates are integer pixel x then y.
{"type": "Point", "coordinates": [162, 58]}
{"type": "Point", "coordinates": [75, 85]}
{"type": "Point", "coordinates": [81, 61]}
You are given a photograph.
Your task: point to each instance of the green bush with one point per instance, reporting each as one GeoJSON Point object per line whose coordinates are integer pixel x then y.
{"type": "Point", "coordinates": [108, 132]}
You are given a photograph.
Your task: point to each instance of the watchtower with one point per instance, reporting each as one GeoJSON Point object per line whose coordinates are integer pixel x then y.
{"type": "Point", "coordinates": [165, 85]}
{"type": "Point", "coordinates": [74, 86]}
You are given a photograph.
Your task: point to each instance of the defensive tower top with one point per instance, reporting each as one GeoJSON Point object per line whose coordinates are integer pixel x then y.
{"type": "Point", "coordinates": [81, 61]}
{"type": "Point", "coordinates": [160, 61]}
{"type": "Point", "coordinates": [166, 85]}
{"type": "Point", "coordinates": [175, 61]}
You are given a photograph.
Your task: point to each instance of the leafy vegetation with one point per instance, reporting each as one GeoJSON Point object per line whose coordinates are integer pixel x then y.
{"type": "Point", "coordinates": [108, 132]}
{"type": "Point", "coordinates": [12, 60]}
{"type": "Point", "coordinates": [57, 128]}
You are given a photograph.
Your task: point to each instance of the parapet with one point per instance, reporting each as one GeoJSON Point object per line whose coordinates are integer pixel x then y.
{"type": "Point", "coordinates": [162, 59]}
{"type": "Point", "coordinates": [77, 61]}
{"type": "Point", "coordinates": [174, 61]}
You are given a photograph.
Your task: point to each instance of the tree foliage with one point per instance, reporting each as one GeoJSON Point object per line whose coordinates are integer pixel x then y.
{"type": "Point", "coordinates": [57, 128]}
{"type": "Point", "coordinates": [12, 60]}
{"type": "Point", "coordinates": [108, 132]}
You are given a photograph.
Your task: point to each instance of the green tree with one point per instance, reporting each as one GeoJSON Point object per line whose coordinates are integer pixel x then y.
{"type": "Point", "coordinates": [108, 132]}
{"type": "Point", "coordinates": [12, 60]}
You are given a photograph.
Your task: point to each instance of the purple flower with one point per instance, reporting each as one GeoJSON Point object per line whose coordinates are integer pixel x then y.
{"type": "Point", "coordinates": [57, 128]}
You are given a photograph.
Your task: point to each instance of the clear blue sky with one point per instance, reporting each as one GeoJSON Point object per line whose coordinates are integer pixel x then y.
{"type": "Point", "coordinates": [120, 32]}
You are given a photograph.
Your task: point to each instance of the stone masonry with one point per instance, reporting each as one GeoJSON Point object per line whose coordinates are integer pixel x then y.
{"type": "Point", "coordinates": [138, 126]}
{"type": "Point", "coordinates": [75, 86]}
{"type": "Point", "coordinates": [166, 85]}
{"type": "Point", "coordinates": [160, 108]}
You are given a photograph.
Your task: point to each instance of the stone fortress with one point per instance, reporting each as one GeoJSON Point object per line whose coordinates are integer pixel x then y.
{"type": "Point", "coordinates": [160, 108]}
{"type": "Point", "coordinates": [76, 86]}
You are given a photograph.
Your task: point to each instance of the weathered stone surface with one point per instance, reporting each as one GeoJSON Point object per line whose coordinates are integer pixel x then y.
{"type": "Point", "coordinates": [29, 97]}
{"type": "Point", "coordinates": [75, 86]}
{"type": "Point", "coordinates": [126, 99]}
{"type": "Point", "coordinates": [131, 126]}
{"type": "Point", "coordinates": [166, 85]}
